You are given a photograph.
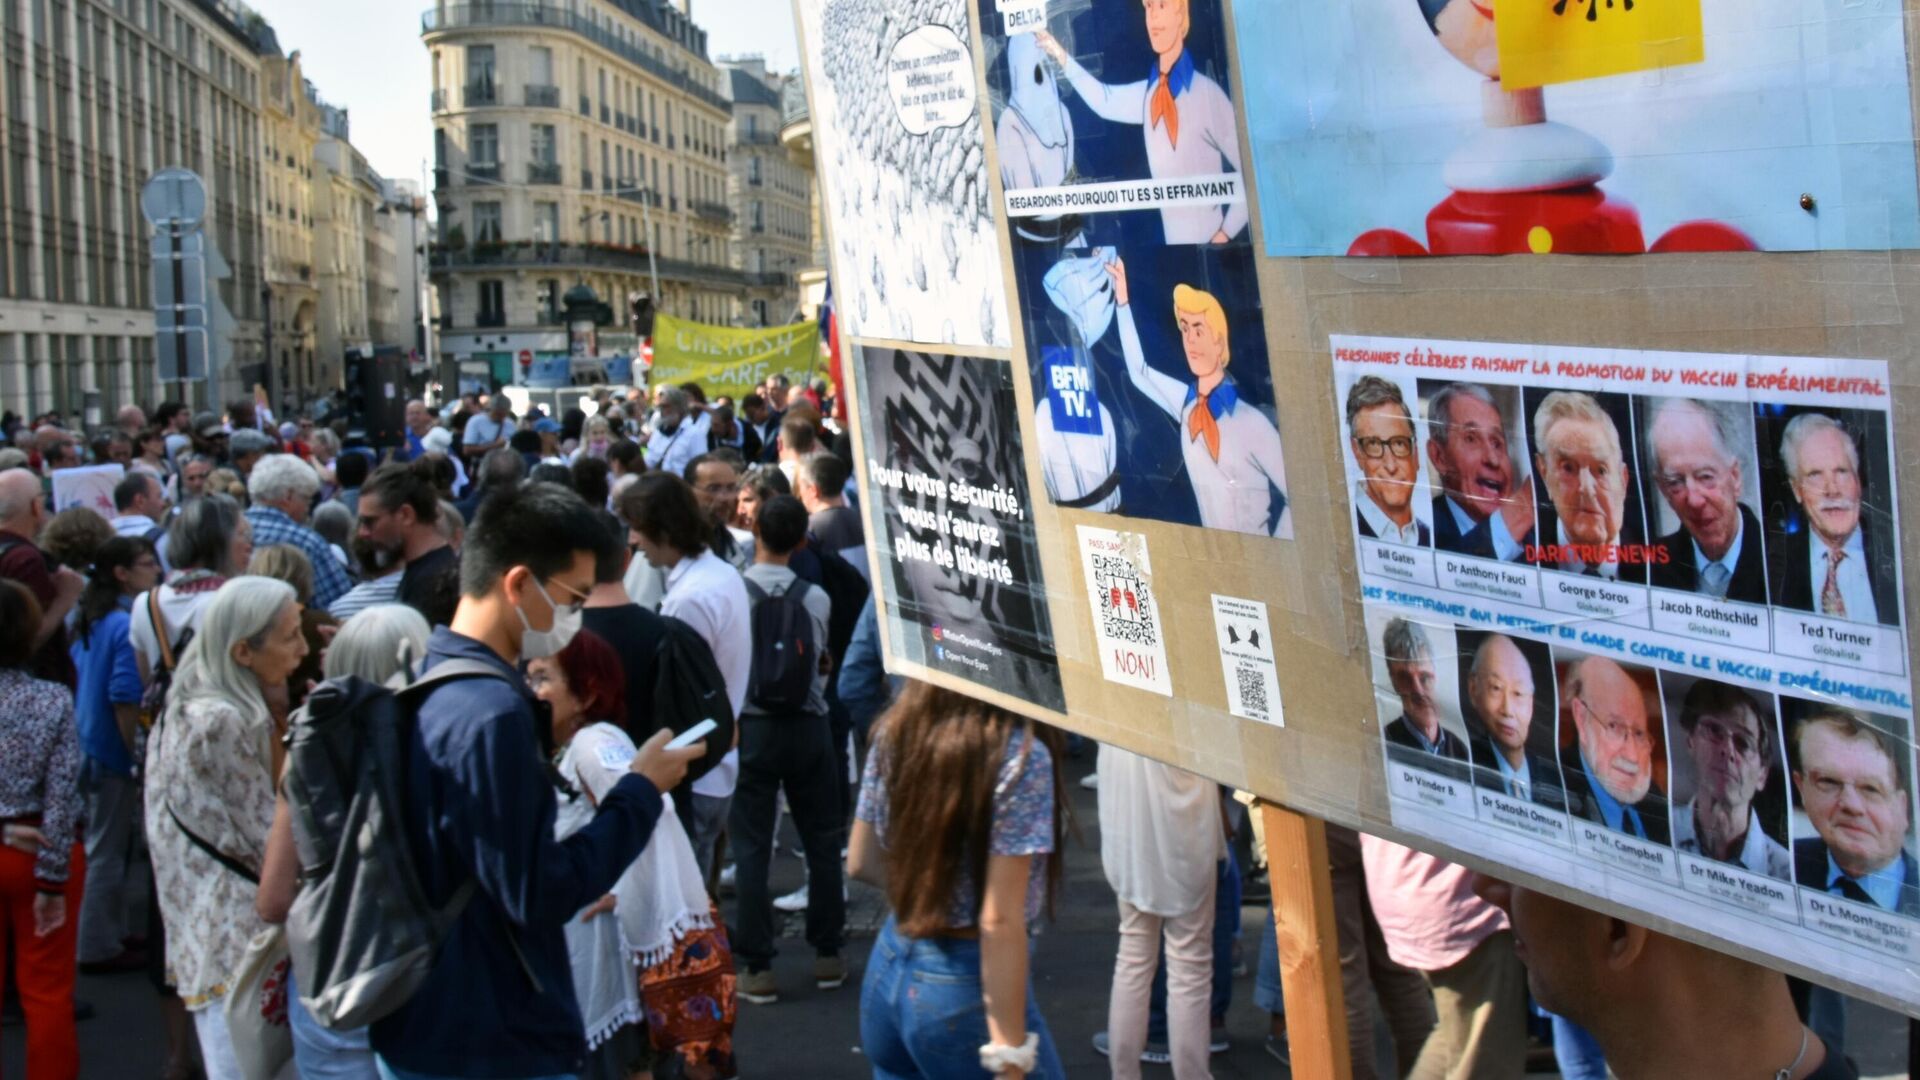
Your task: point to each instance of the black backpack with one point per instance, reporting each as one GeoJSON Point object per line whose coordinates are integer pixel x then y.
{"type": "Point", "coordinates": [362, 933]}
{"type": "Point", "coordinates": [688, 689]}
{"type": "Point", "coordinates": [786, 658]}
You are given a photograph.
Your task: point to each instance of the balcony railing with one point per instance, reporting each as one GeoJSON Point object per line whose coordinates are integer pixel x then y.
{"type": "Point", "coordinates": [586, 179]}
{"type": "Point", "coordinates": [767, 278]}
{"type": "Point", "coordinates": [439, 101]}
{"type": "Point", "coordinates": [490, 319]}
{"type": "Point", "coordinates": [554, 16]}
{"type": "Point", "coordinates": [633, 259]}
{"type": "Point", "coordinates": [482, 173]}
{"type": "Point", "coordinates": [542, 97]}
{"type": "Point", "coordinates": [543, 173]}
{"type": "Point", "coordinates": [478, 93]}
{"type": "Point", "coordinates": [760, 138]}
{"type": "Point", "coordinates": [440, 177]}
{"type": "Point", "coordinates": [711, 211]}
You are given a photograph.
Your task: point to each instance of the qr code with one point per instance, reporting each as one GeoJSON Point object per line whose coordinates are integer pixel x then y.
{"type": "Point", "coordinates": [1253, 691]}
{"type": "Point", "coordinates": [1126, 603]}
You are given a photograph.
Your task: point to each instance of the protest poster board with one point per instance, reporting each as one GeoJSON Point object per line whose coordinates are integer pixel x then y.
{"type": "Point", "coordinates": [731, 360]}
{"type": "Point", "coordinates": [90, 486]}
{"type": "Point", "coordinates": [1803, 326]}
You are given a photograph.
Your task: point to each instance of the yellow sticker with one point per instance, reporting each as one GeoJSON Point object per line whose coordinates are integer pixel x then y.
{"type": "Point", "coordinates": [1554, 41]}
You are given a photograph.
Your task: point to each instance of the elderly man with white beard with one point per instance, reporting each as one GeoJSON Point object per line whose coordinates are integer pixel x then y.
{"type": "Point", "coordinates": [1610, 771]}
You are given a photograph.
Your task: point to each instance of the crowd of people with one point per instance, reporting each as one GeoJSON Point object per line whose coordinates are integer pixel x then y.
{"type": "Point", "coordinates": [599, 582]}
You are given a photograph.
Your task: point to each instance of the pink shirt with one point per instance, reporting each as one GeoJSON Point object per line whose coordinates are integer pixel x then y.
{"type": "Point", "coordinates": [1426, 906]}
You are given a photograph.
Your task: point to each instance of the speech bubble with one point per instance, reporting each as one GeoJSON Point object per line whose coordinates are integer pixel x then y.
{"type": "Point", "coordinates": [930, 76]}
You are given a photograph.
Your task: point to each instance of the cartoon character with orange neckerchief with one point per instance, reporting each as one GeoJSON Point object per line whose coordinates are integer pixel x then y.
{"type": "Point", "coordinates": [1525, 183]}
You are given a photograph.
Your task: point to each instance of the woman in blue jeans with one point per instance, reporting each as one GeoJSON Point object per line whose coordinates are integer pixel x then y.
{"type": "Point", "coordinates": [959, 821]}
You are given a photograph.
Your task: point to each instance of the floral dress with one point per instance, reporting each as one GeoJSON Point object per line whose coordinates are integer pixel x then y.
{"type": "Point", "coordinates": [210, 770]}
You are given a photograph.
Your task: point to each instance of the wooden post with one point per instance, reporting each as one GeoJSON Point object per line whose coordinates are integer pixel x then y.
{"type": "Point", "coordinates": [1297, 870]}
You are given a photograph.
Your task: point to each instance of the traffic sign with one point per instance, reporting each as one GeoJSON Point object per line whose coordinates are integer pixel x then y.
{"type": "Point", "coordinates": [174, 196]}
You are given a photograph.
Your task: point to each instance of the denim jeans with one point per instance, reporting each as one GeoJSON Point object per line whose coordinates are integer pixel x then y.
{"type": "Point", "coordinates": [1576, 1051]}
{"type": "Point", "coordinates": [322, 1053]}
{"type": "Point", "coordinates": [1226, 927]}
{"type": "Point", "coordinates": [921, 1012]}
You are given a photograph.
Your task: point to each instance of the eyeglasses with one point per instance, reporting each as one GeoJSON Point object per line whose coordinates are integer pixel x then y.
{"type": "Point", "coordinates": [1400, 446]}
{"type": "Point", "coordinates": [579, 598]}
{"type": "Point", "coordinates": [1617, 729]}
{"type": "Point", "coordinates": [1713, 731]}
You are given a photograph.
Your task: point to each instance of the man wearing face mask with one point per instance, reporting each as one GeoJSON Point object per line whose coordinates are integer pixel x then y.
{"type": "Point", "coordinates": [479, 809]}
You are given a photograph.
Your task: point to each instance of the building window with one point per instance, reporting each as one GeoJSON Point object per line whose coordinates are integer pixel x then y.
{"type": "Point", "coordinates": [545, 145]}
{"type": "Point", "coordinates": [483, 145]}
{"type": "Point", "coordinates": [550, 301]}
{"type": "Point", "coordinates": [480, 75]}
{"type": "Point", "coordinates": [493, 303]}
{"type": "Point", "coordinates": [486, 223]}
{"type": "Point", "coordinates": [546, 222]}
{"type": "Point", "coordinates": [753, 170]}
{"type": "Point", "coordinates": [542, 65]}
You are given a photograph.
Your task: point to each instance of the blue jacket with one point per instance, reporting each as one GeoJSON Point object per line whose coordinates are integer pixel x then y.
{"type": "Point", "coordinates": [108, 677]}
{"type": "Point", "coordinates": [480, 803]}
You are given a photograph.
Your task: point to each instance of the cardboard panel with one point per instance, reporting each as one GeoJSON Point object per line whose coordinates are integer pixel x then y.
{"type": "Point", "coordinates": [1178, 689]}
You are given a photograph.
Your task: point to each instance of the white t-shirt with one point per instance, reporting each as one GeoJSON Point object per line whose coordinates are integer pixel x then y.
{"type": "Point", "coordinates": [710, 596]}
{"type": "Point", "coordinates": [181, 612]}
{"type": "Point", "coordinates": [481, 430]}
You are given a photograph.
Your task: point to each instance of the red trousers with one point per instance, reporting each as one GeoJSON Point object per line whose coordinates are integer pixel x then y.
{"type": "Point", "coordinates": [44, 968]}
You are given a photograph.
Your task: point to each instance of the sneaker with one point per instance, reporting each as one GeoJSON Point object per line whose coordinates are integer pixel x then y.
{"type": "Point", "coordinates": [829, 972]}
{"type": "Point", "coordinates": [1090, 781]}
{"type": "Point", "coordinates": [1156, 1053]}
{"type": "Point", "coordinates": [792, 902]}
{"type": "Point", "coordinates": [1217, 1042]}
{"type": "Point", "coordinates": [727, 873]}
{"type": "Point", "coordinates": [757, 987]}
{"type": "Point", "coordinates": [1278, 1050]}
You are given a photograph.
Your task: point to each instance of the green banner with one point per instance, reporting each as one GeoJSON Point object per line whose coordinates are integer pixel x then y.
{"type": "Point", "coordinates": [730, 361]}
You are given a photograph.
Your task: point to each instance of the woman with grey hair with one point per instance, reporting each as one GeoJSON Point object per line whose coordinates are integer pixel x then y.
{"type": "Point", "coordinates": [209, 542]}
{"type": "Point", "coordinates": [380, 645]}
{"type": "Point", "coordinates": [209, 797]}
{"type": "Point", "coordinates": [334, 522]}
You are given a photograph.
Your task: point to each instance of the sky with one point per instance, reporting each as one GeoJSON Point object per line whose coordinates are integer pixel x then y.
{"type": "Point", "coordinates": [366, 56]}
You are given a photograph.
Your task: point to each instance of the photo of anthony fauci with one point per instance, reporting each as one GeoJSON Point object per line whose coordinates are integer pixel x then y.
{"type": "Point", "coordinates": [1386, 453]}
{"type": "Point", "coordinates": [1507, 699]}
{"type": "Point", "coordinates": [1853, 785]}
{"type": "Point", "coordinates": [1482, 502]}
{"type": "Point", "coordinates": [1702, 487]}
{"type": "Point", "coordinates": [1420, 735]}
{"type": "Point", "coordinates": [1590, 519]}
{"type": "Point", "coordinates": [1612, 753]}
{"type": "Point", "coordinates": [1832, 537]}
{"type": "Point", "coordinates": [1729, 785]}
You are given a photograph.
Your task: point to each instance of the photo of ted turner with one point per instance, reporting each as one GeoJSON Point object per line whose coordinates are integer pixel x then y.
{"type": "Point", "coordinates": [1853, 788]}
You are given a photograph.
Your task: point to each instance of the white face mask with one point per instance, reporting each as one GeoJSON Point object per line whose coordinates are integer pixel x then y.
{"type": "Point", "coordinates": [540, 644]}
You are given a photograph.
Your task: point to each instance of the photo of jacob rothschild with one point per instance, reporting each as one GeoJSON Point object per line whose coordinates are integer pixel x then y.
{"type": "Point", "coordinates": [1609, 768]}
{"type": "Point", "coordinates": [1484, 507]}
{"type": "Point", "coordinates": [1499, 704]}
{"type": "Point", "coordinates": [1696, 451]}
{"type": "Point", "coordinates": [1857, 797]}
{"type": "Point", "coordinates": [1730, 741]}
{"type": "Point", "coordinates": [1834, 564]}
{"type": "Point", "coordinates": [1417, 737]}
{"type": "Point", "coordinates": [1381, 439]}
